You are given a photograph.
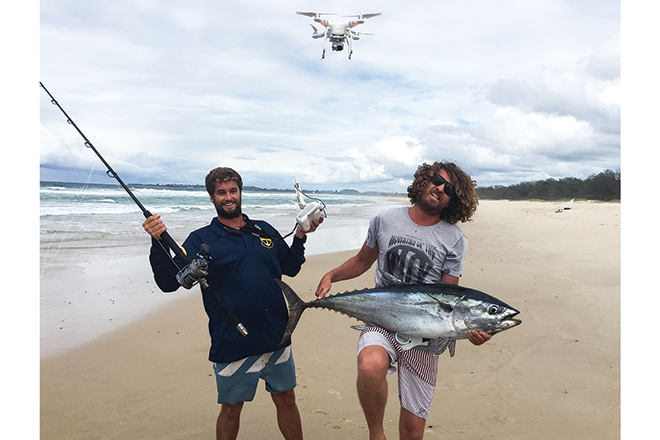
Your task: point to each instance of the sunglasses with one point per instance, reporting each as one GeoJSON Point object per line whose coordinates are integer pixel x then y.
{"type": "Point", "coordinates": [438, 180]}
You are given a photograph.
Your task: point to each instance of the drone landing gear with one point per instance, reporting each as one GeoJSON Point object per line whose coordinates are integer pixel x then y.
{"type": "Point", "coordinates": [323, 55]}
{"type": "Point", "coordinates": [349, 54]}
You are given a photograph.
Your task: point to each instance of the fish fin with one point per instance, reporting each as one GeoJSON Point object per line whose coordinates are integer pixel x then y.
{"type": "Point", "coordinates": [359, 327]}
{"type": "Point", "coordinates": [391, 279]}
{"type": "Point", "coordinates": [452, 347]}
{"type": "Point", "coordinates": [296, 307]}
{"type": "Point", "coordinates": [443, 305]}
{"type": "Point", "coordinates": [443, 344]}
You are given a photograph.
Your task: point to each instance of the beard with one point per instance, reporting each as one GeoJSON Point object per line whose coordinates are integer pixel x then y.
{"type": "Point", "coordinates": [223, 213]}
{"type": "Point", "coordinates": [429, 208]}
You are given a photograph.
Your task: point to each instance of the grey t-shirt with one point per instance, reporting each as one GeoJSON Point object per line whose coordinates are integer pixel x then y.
{"type": "Point", "coordinates": [412, 253]}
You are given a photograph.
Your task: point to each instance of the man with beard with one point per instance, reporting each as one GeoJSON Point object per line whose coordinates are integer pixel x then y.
{"type": "Point", "coordinates": [420, 244]}
{"type": "Point", "coordinates": [246, 256]}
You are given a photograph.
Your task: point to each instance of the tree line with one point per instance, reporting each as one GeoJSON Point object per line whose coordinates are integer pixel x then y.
{"type": "Point", "coordinates": [604, 186]}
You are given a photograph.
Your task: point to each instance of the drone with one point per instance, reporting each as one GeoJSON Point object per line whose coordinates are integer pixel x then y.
{"type": "Point", "coordinates": [340, 34]}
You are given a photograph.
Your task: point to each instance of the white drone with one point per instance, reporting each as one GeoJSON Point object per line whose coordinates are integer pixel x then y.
{"type": "Point", "coordinates": [340, 34]}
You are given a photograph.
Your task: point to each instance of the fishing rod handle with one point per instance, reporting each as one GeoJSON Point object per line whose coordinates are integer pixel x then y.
{"type": "Point", "coordinates": [241, 328]}
{"type": "Point", "coordinates": [167, 239]}
{"type": "Point", "coordinates": [219, 301]}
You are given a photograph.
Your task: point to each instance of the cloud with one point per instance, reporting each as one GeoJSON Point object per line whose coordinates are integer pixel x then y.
{"type": "Point", "coordinates": [557, 94]}
{"type": "Point", "coordinates": [605, 63]}
{"type": "Point", "coordinates": [170, 90]}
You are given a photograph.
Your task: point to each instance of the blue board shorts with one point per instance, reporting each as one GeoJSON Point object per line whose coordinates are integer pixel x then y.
{"type": "Point", "coordinates": [237, 381]}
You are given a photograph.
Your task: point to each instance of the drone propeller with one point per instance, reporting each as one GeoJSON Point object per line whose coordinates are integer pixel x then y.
{"type": "Point", "coordinates": [315, 14]}
{"type": "Point", "coordinates": [356, 35]}
{"type": "Point", "coordinates": [364, 16]}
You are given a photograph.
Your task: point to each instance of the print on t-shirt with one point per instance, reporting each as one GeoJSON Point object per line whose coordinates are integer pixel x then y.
{"type": "Point", "coordinates": [408, 259]}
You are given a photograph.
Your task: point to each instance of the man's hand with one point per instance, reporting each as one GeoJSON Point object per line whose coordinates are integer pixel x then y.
{"type": "Point", "coordinates": [478, 338]}
{"type": "Point", "coordinates": [324, 285]}
{"type": "Point", "coordinates": [351, 268]}
{"type": "Point", "coordinates": [154, 226]}
{"type": "Point", "coordinates": [300, 232]}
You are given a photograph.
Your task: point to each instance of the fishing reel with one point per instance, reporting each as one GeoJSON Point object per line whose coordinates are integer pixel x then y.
{"type": "Point", "coordinates": [196, 270]}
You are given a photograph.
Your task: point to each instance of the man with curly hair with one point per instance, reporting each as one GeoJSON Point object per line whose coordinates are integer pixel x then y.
{"type": "Point", "coordinates": [420, 244]}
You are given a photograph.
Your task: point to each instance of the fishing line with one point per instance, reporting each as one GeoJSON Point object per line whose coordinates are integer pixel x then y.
{"type": "Point", "coordinates": [76, 200]}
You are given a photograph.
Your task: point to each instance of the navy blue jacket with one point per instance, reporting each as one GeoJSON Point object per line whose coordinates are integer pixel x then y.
{"type": "Point", "coordinates": [242, 272]}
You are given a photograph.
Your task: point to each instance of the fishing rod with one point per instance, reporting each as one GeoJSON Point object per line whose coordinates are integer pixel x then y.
{"type": "Point", "coordinates": [195, 270]}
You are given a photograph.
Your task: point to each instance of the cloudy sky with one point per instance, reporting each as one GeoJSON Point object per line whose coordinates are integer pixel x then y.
{"type": "Point", "coordinates": [167, 90]}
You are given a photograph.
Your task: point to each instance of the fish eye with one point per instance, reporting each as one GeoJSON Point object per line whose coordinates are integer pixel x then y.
{"type": "Point", "coordinates": [492, 310]}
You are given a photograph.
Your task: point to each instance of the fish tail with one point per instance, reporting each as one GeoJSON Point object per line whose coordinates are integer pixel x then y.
{"type": "Point", "coordinates": [296, 307]}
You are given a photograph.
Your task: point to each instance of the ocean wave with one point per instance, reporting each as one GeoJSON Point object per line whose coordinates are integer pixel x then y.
{"type": "Point", "coordinates": [167, 192]}
{"type": "Point", "coordinates": [64, 199]}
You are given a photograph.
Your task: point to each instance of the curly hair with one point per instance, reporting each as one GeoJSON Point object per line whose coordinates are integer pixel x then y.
{"type": "Point", "coordinates": [462, 206]}
{"type": "Point", "coordinates": [220, 175]}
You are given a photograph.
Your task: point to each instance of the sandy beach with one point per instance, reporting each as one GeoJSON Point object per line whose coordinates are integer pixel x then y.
{"type": "Point", "coordinates": [556, 376]}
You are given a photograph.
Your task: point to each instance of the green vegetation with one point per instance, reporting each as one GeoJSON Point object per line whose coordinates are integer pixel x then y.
{"type": "Point", "coordinates": [604, 186]}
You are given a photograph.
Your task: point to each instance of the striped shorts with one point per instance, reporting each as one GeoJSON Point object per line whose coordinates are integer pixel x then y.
{"type": "Point", "coordinates": [418, 370]}
{"type": "Point", "coordinates": [237, 381]}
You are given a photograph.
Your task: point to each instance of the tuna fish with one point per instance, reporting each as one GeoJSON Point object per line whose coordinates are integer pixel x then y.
{"type": "Point", "coordinates": [441, 312]}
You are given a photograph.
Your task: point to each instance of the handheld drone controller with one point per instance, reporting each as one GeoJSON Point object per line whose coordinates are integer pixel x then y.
{"type": "Point", "coordinates": [311, 212]}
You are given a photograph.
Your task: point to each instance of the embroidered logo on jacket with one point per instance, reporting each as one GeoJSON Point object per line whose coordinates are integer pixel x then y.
{"type": "Point", "coordinates": [266, 242]}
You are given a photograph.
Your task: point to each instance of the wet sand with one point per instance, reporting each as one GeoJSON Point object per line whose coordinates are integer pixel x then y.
{"type": "Point", "coordinates": [556, 376]}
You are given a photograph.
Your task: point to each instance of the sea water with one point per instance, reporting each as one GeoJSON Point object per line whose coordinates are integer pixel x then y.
{"type": "Point", "coordinates": [94, 270]}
